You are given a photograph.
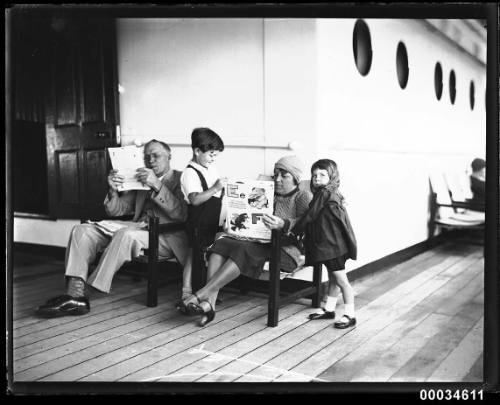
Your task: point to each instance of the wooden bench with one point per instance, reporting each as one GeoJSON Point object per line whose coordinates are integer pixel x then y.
{"type": "Point", "coordinates": [152, 260]}
{"type": "Point", "coordinates": [447, 214]}
{"type": "Point", "coordinates": [459, 190]}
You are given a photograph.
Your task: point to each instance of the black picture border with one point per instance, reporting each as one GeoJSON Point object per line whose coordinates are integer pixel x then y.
{"type": "Point", "coordinates": [486, 11]}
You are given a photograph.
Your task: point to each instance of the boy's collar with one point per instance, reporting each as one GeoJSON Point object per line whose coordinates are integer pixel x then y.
{"type": "Point", "coordinates": [197, 165]}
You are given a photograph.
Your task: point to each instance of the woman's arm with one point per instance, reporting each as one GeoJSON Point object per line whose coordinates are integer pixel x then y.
{"type": "Point", "coordinates": [286, 219]}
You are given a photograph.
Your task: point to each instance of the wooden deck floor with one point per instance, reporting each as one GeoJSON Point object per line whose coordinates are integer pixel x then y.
{"type": "Point", "coordinates": [421, 320]}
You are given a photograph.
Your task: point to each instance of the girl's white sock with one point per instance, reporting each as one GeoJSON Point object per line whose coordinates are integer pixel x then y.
{"type": "Point", "coordinates": [349, 310]}
{"type": "Point", "coordinates": [331, 303]}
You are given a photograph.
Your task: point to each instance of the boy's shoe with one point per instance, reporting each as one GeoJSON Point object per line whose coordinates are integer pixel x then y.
{"type": "Point", "coordinates": [345, 322]}
{"type": "Point", "coordinates": [322, 315]}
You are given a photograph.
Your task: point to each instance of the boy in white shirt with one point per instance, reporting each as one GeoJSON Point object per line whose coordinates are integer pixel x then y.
{"type": "Point", "coordinates": [203, 190]}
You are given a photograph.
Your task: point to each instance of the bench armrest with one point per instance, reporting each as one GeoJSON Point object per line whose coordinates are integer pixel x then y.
{"type": "Point", "coordinates": [171, 227]}
{"type": "Point", "coordinates": [463, 205]}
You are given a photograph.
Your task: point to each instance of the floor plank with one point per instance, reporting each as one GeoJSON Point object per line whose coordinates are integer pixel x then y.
{"type": "Point", "coordinates": [456, 366]}
{"type": "Point", "coordinates": [427, 359]}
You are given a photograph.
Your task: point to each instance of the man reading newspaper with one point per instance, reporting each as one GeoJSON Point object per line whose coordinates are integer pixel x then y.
{"type": "Point", "coordinates": [121, 241]}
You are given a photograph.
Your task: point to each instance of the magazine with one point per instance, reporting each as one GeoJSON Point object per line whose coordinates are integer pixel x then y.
{"type": "Point", "coordinates": [126, 160]}
{"type": "Point", "coordinates": [246, 202]}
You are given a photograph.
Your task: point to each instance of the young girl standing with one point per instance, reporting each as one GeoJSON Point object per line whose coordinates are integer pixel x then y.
{"type": "Point", "coordinates": [329, 239]}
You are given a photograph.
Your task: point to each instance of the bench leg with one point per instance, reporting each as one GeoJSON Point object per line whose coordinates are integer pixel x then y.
{"type": "Point", "coordinates": [274, 282]}
{"type": "Point", "coordinates": [273, 303]}
{"type": "Point", "coordinates": [152, 290]}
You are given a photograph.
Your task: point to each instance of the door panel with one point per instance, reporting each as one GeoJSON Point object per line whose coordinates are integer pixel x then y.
{"type": "Point", "coordinates": [96, 163]}
{"type": "Point", "coordinates": [81, 117]}
{"type": "Point", "coordinates": [67, 165]}
{"type": "Point", "coordinates": [65, 86]}
{"type": "Point", "coordinates": [93, 76]}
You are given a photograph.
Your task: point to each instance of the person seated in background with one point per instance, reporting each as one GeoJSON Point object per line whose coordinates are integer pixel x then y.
{"type": "Point", "coordinates": [477, 180]}
{"type": "Point", "coordinates": [165, 200]}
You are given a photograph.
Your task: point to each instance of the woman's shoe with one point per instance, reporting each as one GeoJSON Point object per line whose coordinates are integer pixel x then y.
{"type": "Point", "coordinates": [345, 322]}
{"type": "Point", "coordinates": [181, 306]}
{"type": "Point", "coordinates": [208, 316]}
{"type": "Point", "coordinates": [193, 309]}
{"type": "Point", "coordinates": [322, 315]}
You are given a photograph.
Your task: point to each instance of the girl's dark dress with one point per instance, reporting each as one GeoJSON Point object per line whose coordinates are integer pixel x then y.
{"type": "Point", "coordinates": [328, 231]}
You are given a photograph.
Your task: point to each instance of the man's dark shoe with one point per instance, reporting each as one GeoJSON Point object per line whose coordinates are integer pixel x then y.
{"type": "Point", "coordinates": [64, 305]}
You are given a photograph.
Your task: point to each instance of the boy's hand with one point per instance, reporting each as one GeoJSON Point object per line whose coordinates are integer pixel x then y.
{"type": "Point", "coordinates": [220, 183]}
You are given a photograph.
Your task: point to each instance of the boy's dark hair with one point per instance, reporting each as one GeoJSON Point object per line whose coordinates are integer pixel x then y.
{"type": "Point", "coordinates": [205, 139]}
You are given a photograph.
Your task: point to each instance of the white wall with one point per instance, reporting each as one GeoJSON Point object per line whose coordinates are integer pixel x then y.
{"type": "Point", "coordinates": [386, 140]}
{"type": "Point", "coordinates": [251, 80]}
{"type": "Point", "coordinates": [42, 232]}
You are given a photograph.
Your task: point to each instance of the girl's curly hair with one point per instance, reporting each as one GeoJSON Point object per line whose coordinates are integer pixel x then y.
{"type": "Point", "coordinates": [331, 167]}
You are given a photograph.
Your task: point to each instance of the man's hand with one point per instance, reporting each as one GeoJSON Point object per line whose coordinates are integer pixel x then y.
{"type": "Point", "coordinates": [115, 180]}
{"type": "Point", "coordinates": [148, 177]}
{"type": "Point", "coordinates": [273, 222]}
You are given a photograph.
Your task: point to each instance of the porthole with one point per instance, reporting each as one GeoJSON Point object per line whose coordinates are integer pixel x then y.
{"type": "Point", "coordinates": [438, 80]}
{"type": "Point", "coordinates": [402, 65]}
{"type": "Point", "coordinates": [472, 95]}
{"type": "Point", "coordinates": [453, 88]}
{"type": "Point", "coordinates": [362, 47]}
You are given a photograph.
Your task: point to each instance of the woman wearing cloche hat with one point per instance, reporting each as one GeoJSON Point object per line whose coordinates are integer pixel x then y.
{"type": "Point", "coordinates": [229, 257]}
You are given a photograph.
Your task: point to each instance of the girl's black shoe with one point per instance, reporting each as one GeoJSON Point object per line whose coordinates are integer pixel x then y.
{"type": "Point", "coordinates": [345, 322]}
{"type": "Point", "coordinates": [322, 315]}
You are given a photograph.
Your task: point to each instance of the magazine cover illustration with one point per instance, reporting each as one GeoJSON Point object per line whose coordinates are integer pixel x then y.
{"type": "Point", "coordinates": [246, 203]}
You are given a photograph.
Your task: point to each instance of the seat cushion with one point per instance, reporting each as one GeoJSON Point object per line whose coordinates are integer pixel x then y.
{"type": "Point", "coordinates": [300, 273]}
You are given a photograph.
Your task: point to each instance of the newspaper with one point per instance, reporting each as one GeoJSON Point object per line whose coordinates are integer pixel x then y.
{"type": "Point", "coordinates": [245, 203]}
{"type": "Point", "coordinates": [127, 159]}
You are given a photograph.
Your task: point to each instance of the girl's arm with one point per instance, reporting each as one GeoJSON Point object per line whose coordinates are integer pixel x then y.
{"type": "Point", "coordinates": [318, 202]}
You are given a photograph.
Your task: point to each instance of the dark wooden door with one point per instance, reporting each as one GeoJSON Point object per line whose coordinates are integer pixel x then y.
{"type": "Point", "coordinates": [81, 116]}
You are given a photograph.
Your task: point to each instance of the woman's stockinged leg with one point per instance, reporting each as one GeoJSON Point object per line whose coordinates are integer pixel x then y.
{"type": "Point", "coordinates": [215, 262]}
{"type": "Point", "coordinates": [221, 271]}
{"type": "Point", "coordinates": [186, 275]}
